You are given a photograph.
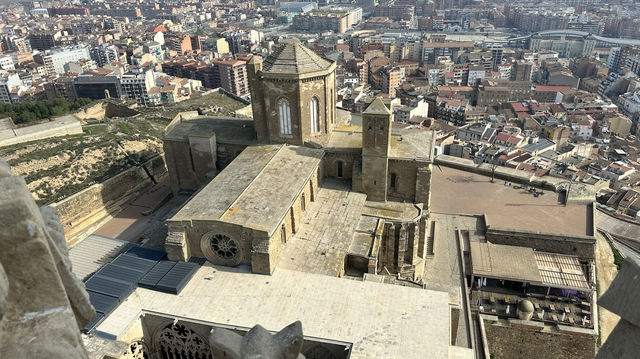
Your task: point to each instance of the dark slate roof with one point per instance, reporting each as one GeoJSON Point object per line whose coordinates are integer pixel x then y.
{"type": "Point", "coordinates": [293, 57]}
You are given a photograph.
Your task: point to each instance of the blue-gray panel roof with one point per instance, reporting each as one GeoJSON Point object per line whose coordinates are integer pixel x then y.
{"type": "Point", "coordinates": [93, 323]}
{"type": "Point", "coordinates": [103, 303]}
{"type": "Point", "coordinates": [134, 262]}
{"type": "Point", "coordinates": [146, 253]}
{"type": "Point", "coordinates": [151, 279]}
{"type": "Point", "coordinates": [121, 273]}
{"type": "Point", "coordinates": [94, 252]}
{"type": "Point", "coordinates": [177, 277]}
{"type": "Point", "coordinates": [110, 286]}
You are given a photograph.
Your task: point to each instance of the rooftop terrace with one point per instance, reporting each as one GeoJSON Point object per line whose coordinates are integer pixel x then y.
{"type": "Point", "coordinates": [381, 320]}
{"type": "Point", "coordinates": [506, 207]}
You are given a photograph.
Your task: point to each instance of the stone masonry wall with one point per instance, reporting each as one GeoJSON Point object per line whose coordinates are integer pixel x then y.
{"type": "Point", "coordinates": [406, 172]}
{"type": "Point", "coordinates": [331, 160]}
{"type": "Point", "coordinates": [80, 211]}
{"type": "Point", "coordinates": [581, 247]}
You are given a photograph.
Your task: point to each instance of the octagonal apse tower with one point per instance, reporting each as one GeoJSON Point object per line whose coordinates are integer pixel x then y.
{"type": "Point", "coordinates": [293, 95]}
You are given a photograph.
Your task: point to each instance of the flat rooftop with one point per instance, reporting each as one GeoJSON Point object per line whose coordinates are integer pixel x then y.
{"type": "Point", "coordinates": [526, 265]}
{"type": "Point", "coordinates": [232, 131]}
{"type": "Point", "coordinates": [405, 143]}
{"type": "Point", "coordinates": [381, 320]}
{"type": "Point", "coordinates": [256, 189]}
{"type": "Point", "coordinates": [504, 262]}
{"type": "Point", "coordinates": [459, 192]}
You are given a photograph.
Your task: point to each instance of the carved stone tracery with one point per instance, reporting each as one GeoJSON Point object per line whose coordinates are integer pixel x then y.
{"type": "Point", "coordinates": [177, 341]}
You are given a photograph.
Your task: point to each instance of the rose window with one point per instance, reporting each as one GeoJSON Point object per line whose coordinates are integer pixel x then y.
{"type": "Point", "coordinates": [224, 246]}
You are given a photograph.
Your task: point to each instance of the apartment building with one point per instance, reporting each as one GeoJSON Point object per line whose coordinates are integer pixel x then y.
{"type": "Point", "coordinates": [55, 59]}
{"type": "Point", "coordinates": [231, 75]}
{"type": "Point", "coordinates": [136, 85]}
{"type": "Point", "coordinates": [321, 20]}
{"type": "Point", "coordinates": [104, 54]}
{"type": "Point", "coordinates": [44, 40]}
{"type": "Point", "coordinates": [7, 84]}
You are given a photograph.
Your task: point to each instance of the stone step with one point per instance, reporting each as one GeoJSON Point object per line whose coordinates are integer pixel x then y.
{"type": "Point", "coordinates": [430, 239]}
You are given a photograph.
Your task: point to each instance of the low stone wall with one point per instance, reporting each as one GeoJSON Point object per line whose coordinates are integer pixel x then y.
{"type": "Point", "coordinates": [581, 193]}
{"type": "Point", "coordinates": [181, 116]}
{"type": "Point", "coordinates": [80, 212]}
{"type": "Point", "coordinates": [526, 339]}
{"type": "Point", "coordinates": [62, 126]}
{"type": "Point", "coordinates": [583, 247]}
{"type": "Point", "coordinates": [504, 173]}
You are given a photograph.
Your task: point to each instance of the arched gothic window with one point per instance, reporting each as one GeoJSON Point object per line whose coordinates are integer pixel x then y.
{"type": "Point", "coordinates": [284, 111]}
{"type": "Point", "coordinates": [313, 111]}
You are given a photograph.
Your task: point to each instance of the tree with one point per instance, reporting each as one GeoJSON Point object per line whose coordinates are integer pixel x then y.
{"type": "Point", "coordinates": [32, 111]}
{"type": "Point", "coordinates": [493, 165]}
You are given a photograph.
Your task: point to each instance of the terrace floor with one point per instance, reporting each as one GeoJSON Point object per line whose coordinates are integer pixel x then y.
{"type": "Point", "coordinates": [548, 308]}
{"type": "Point", "coordinates": [506, 206]}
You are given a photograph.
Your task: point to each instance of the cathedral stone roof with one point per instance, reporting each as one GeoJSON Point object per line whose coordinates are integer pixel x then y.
{"type": "Point", "coordinates": [293, 57]}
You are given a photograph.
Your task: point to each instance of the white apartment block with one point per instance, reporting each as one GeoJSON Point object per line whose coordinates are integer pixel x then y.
{"type": "Point", "coordinates": [6, 63]}
{"type": "Point", "coordinates": [8, 83]}
{"type": "Point", "coordinates": [55, 59]}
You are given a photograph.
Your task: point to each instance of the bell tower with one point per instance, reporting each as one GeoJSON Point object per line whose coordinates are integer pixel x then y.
{"type": "Point", "coordinates": [292, 95]}
{"type": "Point", "coordinates": [376, 143]}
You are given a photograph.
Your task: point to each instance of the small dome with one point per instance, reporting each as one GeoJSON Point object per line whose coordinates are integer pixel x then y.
{"type": "Point", "coordinates": [525, 306]}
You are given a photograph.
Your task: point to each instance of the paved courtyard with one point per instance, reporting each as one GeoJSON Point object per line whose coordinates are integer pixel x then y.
{"type": "Point", "coordinates": [326, 230]}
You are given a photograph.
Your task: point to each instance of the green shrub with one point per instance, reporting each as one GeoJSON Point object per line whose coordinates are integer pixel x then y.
{"type": "Point", "coordinates": [26, 112]}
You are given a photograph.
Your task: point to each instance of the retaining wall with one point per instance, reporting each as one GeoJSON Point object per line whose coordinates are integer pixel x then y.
{"type": "Point", "coordinates": [80, 212]}
{"type": "Point", "coordinates": [62, 126]}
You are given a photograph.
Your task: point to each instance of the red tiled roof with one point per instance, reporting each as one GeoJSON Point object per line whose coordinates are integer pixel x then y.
{"type": "Point", "coordinates": [519, 107]}
{"type": "Point", "coordinates": [505, 137]}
